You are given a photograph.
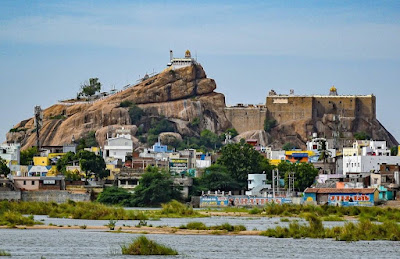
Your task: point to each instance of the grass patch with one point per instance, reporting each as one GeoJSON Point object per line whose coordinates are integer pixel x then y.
{"type": "Point", "coordinates": [144, 246]}
{"type": "Point", "coordinates": [332, 218]}
{"type": "Point", "coordinates": [195, 226]}
{"type": "Point", "coordinates": [363, 230]}
{"type": "Point", "coordinates": [175, 209]}
{"type": "Point", "coordinates": [284, 220]}
{"type": "Point", "coordinates": [225, 227]}
{"type": "Point", "coordinates": [12, 218]}
{"type": "Point", "coordinates": [4, 253]}
{"type": "Point", "coordinates": [71, 209]}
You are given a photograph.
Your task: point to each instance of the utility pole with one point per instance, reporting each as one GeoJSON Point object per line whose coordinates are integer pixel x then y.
{"type": "Point", "coordinates": [273, 183]}
{"type": "Point", "coordinates": [38, 116]}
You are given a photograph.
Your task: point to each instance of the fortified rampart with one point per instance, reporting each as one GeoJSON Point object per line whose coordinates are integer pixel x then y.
{"type": "Point", "coordinates": [298, 116]}
{"type": "Point", "coordinates": [284, 108]}
{"type": "Point", "coordinates": [245, 118]}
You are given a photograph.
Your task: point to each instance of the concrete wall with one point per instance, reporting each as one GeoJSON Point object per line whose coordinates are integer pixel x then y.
{"type": "Point", "coordinates": [10, 195]}
{"type": "Point", "coordinates": [246, 118]}
{"type": "Point", "coordinates": [56, 196]}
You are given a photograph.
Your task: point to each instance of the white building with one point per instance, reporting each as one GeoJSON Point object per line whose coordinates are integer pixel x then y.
{"type": "Point", "coordinates": [10, 153]}
{"type": "Point", "coordinates": [367, 148]}
{"type": "Point", "coordinates": [358, 164]}
{"type": "Point", "coordinates": [256, 183]}
{"type": "Point", "coordinates": [118, 147]}
{"type": "Point", "coordinates": [176, 63]}
{"type": "Point", "coordinates": [274, 154]}
{"type": "Point", "coordinates": [316, 145]}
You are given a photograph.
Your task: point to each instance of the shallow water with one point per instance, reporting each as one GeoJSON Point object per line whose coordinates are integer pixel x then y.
{"type": "Point", "coordinates": [251, 223]}
{"type": "Point", "coordinates": [68, 243]}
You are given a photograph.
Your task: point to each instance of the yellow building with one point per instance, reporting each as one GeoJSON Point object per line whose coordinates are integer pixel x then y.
{"type": "Point", "coordinates": [39, 160]}
{"type": "Point", "coordinates": [299, 156]}
{"type": "Point", "coordinates": [53, 155]}
{"type": "Point", "coordinates": [113, 171]}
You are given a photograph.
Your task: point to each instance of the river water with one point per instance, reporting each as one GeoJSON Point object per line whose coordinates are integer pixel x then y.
{"type": "Point", "coordinates": [79, 243]}
{"type": "Point", "coordinates": [85, 243]}
{"type": "Point", "coordinates": [251, 223]}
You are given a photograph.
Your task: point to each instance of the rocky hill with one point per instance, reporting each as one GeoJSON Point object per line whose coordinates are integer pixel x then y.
{"type": "Point", "coordinates": [181, 96]}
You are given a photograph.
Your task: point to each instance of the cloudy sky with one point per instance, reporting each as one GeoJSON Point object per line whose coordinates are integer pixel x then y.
{"type": "Point", "coordinates": [48, 48]}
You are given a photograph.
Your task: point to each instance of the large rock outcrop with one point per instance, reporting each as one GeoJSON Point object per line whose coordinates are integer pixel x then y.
{"type": "Point", "coordinates": [179, 95]}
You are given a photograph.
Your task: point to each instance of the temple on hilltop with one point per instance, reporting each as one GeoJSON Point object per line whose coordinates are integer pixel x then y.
{"type": "Point", "coordinates": [176, 63]}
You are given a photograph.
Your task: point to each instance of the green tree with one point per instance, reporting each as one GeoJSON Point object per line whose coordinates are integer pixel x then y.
{"type": "Point", "coordinates": [240, 159]}
{"type": "Point", "coordinates": [92, 163]}
{"type": "Point", "coordinates": [88, 140]}
{"type": "Point", "coordinates": [155, 187]}
{"type": "Point", "coordinates": [4, 168]}
{"type": "Point", "coordinates": [269, 124]}
{"type": "Point", "coordinates": [288, 146]}
{"type": "Point", "coordinates": [325, 153]}
{"type": "Point", "coordinates": [267, 168]}
{"type": "Point", "coordinates": [135, 113]}
{"type": "Point", "coordinates": [361, 135]}
{"type": "Point", "coordinates": [394, 151]}
{"type": "Point", "coordinates": [91, 87]}
{"type": "Point", "coordinates": [115, 196]}
{"type": "Point", "coordinates": [26, 156]}
{"type": "Point", "coordinates": [304, 174]}
{"type": "Point", "coordinates": [216, 178]}
{"type": "Point", "coordinates": [209, 139]}
{"type": "Point", "coordinates": [64, 161]}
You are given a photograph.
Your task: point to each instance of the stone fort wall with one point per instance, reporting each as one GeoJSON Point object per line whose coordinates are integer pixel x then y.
{"type": "Point", "coordinates": [245, 118]}
{"type": "Point", "coordinates": [287, 108]}
{"type": "Point", "coordinates": [284, 108]}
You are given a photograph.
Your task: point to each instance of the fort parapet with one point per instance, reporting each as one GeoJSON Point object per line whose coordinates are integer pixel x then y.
{"type": "Point", "coordinates": [246, 117]}
{"type": "Point", "coordinates": [287, 108]}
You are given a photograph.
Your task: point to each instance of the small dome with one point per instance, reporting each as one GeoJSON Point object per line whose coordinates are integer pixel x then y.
{"type": "Point", "coordinates": [188, 54]}
{"type": "Point", "coordinates": [333, 88]}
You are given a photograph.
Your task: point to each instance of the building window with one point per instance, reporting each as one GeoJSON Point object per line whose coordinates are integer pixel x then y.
{"type": "Point", "coordinates": [375, 181]}
{"type": "Point", "coordinates": [33, 182]}
{"type": "Point", "coordinates": [24, 182]}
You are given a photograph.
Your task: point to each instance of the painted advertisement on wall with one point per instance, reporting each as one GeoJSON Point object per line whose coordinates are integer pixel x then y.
{"type": "Point", "coordinates": [225, 201]}
{"type": "Point", "coordinates": [351, 199]}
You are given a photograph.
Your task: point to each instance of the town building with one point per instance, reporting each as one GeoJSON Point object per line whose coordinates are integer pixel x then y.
{"type": "Point", "coordinates": [342, 196]}
{"type": "Point", "coordinates": [10, 153]}
{"type": "Point", "coordinates": [367, 148]}
{"type": "Point", "coordinates": [118, 147]}
{"type": "Point", "coordinates": [353, 164]}
{"type": "Point", "coordinates": [257, 185]}
{"type": "Point", "coordinates": [33, 183]}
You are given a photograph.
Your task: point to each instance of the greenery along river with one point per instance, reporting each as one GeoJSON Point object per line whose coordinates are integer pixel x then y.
{"type": "Point", "coordinates": [11, 215]}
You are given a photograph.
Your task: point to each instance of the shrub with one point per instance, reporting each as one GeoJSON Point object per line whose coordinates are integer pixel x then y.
{"type": "Point", "coordinates": [255, 210]}
{"type": "Point", "coordinates": [4, 253]}
{"type": "Point", "coordinates": [135, 113]}
{"type": "Point", "coordinates": [144, 246]}
{"type": "Point", "coordinates": [176, 208]}
{"type": "Point", "coordinates": [111, 224]}
{"type": "Point", "coordinates": [269, 124]}
{"type": "Point", "coordinates": [125, 104]}
{"type": "Point", "coordinates": [196, 226]}
{"type": "Point", "coordinates": [237, 228]}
